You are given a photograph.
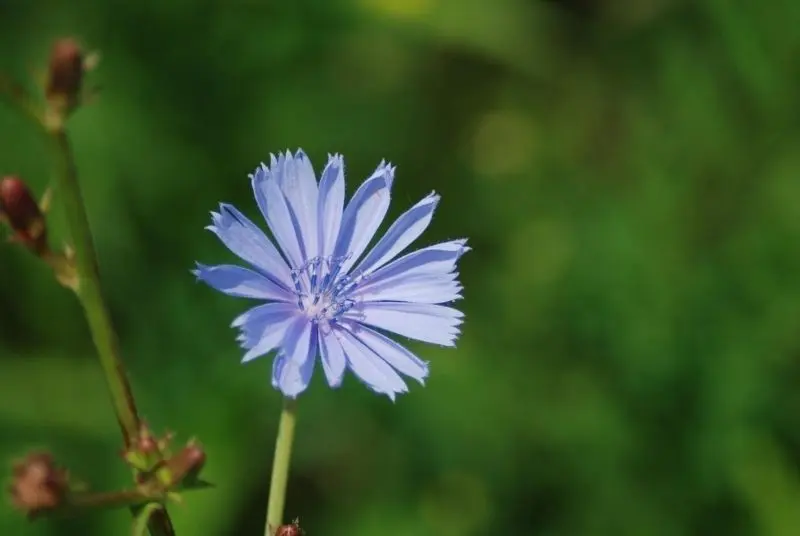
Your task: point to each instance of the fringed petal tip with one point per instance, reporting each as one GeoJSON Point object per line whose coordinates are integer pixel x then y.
{"type": "Point", "coordinates": [197, 271]}
{"type": "Point", "coordinates": [387, 170]}
{"type": "Point", "coordinates": [390, 394]}
{"type": "Point", "coordinates": [260, 173]}
{"type": "Point", "coordinates": [464, 248]}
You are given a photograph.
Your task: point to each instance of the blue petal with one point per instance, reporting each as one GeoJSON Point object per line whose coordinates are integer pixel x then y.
{"type": "Point", "coordinates": [273, 206]}
{"type": "Point", "coordinates": [268, 312]}
{"type": "Point", "coordinates": [436, 324]}
{"type": "Point", "coordinates": [400, 235]}
{"type": "Point", "coordinates": [363, 216]}
{"type": "Point", "coordinates": [438, 259]}
{"type": "Point", "coordinates": [249, 243]}
{"type": "Point", "coordinates": [294, 366]}
{"type": "Point", "coordinates": [333, 360]}
{"type": "Point", "coordinates": [400, 358]}
{"type": "Point", "coordinates": [241, 282]}
{"type": "Point", "coordinates": [419, 288]}
{"type": "Point", "coordinates": [296, 178]}
{"type": "Point", "coordinates": [330, 205]}
{"type": "Point", "coordinates": [369, 367]}
{"type": "Point", "coordinates": [265, 332]}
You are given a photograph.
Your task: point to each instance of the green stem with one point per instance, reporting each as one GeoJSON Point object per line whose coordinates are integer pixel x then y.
{"type": "Point", "coordinates": [91, 297]}
{"type": "Point", "coordinates": [89, 291]}
{"type": "Point", "coordinates": [107, 499]}
{"type": "Point", "coordinates": [136, 499]}
{"type": "Point", "coordinates": [280, 467]}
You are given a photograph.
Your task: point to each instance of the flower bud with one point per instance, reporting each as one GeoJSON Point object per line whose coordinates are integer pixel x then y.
{"type": "Point", "coordinates": [65, 72]}
{"type": "Point", "coordinates": [38, 484]}
{"type": "Point", "coordinates": [23, 214]}
{"type": "Point", "coordinates": [292, 529]}
{"type": "Point", "coordinates": [146, 451]}
{"type": "Point", "coordinates": [184, 466]}
{"type": "Point", "coordinates": [146, 443]}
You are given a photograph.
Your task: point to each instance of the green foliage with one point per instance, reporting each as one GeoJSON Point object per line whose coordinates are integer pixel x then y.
{"type": "Point", "coordinates": [629, 179]}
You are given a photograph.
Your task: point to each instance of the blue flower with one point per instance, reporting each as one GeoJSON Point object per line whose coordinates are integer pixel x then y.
{"type": "Point", "coordinates": [324, 295]}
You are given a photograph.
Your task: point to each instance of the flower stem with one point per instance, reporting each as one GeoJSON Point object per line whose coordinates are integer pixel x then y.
{"type": "Point", "coordinates": [280, 467]}
{"type": "Point", "coordinates": [91, 298]}
{"type": "Point", "coordinates": [89, 292]}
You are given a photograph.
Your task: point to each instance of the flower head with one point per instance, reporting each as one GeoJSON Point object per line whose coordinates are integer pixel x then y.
{"type": "Point", "coordinates": [324, 295]}
{"type": "Point", "coordinates": [39, 484]}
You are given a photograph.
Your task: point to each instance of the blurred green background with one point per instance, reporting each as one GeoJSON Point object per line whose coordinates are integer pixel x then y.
{"type": "Point", "coordinates": [627, 171]}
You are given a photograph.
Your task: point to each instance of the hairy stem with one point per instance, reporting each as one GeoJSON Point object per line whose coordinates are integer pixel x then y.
{"type": "Point", "coordinates": [91, 298]}
{"type": "Point", "coordinates": [280, 467]}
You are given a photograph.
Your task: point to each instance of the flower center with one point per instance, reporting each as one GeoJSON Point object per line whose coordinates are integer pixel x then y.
{"type": "Point", "coordinates": [322, 290]}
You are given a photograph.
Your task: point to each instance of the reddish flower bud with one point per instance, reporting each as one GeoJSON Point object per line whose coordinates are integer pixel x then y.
{"type": "Point", "coordinates": [146, 451]}
{"type": "Point", "coordinates": [292, 529]}
{"type": "Point", "coordinates": [38, 485]}
{"type": "Point", "coordinates": [146, 443]}
{"type": "Point", "coordinates": [23, 214]}
{"type": "Point", "coordinates": [185, 465]}
{"type": "Point", "coordinates": [65, 72]}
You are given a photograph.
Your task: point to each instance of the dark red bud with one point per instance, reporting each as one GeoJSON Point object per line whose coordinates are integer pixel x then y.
{"type": "Point", "coordinates": [23, 213]}
{"type": "Point", "coordinates": [186, 464]}
{"type": "Point", "coordinates": [195, 456]}
{"type": "Point", "coordinates": [65, 73]}
{"type": "Point", "coordinates": [38, 484]}
{"type": "Point", "coordinates": [292, 529]}
{"type": "Point", "coordinates": [147, 445]}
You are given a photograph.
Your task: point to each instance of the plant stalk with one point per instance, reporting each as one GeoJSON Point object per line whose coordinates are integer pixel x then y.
{"type": "Point", "coordinates": [280, 467]}
{"type": "Point", "coordinates": [91, 298]}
